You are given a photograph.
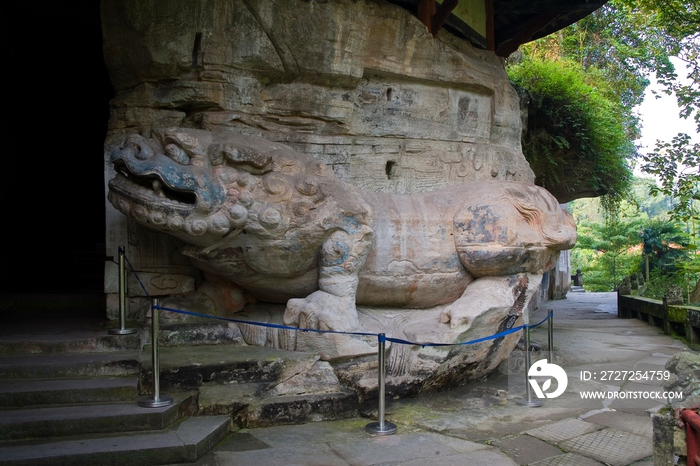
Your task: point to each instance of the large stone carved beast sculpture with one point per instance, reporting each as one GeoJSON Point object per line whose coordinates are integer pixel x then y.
{"type": "Point", "coordinates": [282, 226]}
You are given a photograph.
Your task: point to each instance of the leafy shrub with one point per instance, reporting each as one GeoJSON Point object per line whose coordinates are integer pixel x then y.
{"type": "Point", "coordinates": [575, 132]}
{"type": "Point", "coordinates": [658, 284]}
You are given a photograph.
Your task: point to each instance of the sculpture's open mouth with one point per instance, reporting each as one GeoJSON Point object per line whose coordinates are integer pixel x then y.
{"type": "Point", "coordinates": [159, 187]}
{"type": "Point", "coordinates": [149, 189]}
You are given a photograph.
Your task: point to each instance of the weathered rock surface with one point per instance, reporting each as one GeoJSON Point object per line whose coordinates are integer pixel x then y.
{"type": "Point", "coordinates": [360, 85]}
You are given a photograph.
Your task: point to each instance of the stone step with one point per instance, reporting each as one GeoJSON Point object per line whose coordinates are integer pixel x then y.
{"type": "Point", "coordinates": [65, 335]}
{"type": "Point", "coordinates": [250, 405]}
{"type": "Point", "coordinates": [70, 344]}
{"type": "Point", "coordinates": [17, 424]}
{"type": "Point", "coordinates": [207, 332]}
{"type": "Point", "coordinates": [36, 392]}
{"type": "Point", "coordinates": [185, 368]}
{"type": "Point", "coordinates": [184, 442]}
{"type": "Point", "coordinates": [45, 366]}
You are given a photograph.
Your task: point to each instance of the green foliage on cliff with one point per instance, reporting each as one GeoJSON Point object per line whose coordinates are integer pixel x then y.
{"type": "Point", "coordinates": [576, 133]}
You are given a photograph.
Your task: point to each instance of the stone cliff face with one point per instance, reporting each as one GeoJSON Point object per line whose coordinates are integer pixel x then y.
{"type": "Point", "coordinates": [360, 85]}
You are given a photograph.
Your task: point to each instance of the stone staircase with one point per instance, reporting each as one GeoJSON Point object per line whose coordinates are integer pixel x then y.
{"type": "Point", "coordinates": [68, 396]}
{"type": "Point", "coordinates": [68, 392]}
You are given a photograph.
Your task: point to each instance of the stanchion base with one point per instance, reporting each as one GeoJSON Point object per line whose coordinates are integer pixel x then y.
{"type": "Point", "coordinates": [121, 331]}
{"type": "Point", "coordinates": [529, 403]}
{"type": "Point", "coordinates": [153, 403]}
{"type": "Point", "coordinates": [375, 428]}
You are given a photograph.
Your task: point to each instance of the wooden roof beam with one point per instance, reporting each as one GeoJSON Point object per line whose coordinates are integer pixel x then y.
{"type": "Point", "coordinates": [434, 20]}
{"type": "Point", "coordinates": [526, 33]}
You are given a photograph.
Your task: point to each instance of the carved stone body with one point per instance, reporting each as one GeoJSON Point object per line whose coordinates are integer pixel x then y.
{"type": "Point", "coordinates": [281, 225]}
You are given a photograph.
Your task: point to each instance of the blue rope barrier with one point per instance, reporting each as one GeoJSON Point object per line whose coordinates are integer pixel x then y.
{"type": "Point", "coordinates": [265, 324]}
{"type": "Point", "coordinates": [380, 336]}
{"type": "Point", "coordinates": [549, 316]}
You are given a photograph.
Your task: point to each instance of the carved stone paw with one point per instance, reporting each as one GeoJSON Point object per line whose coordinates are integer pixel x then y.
{"type": "Point", "coordinates": [485, 294]}
{"type": "Point", "coordinates": [323, 311]}
{"type": "Point", "coordinates": [457, 314]}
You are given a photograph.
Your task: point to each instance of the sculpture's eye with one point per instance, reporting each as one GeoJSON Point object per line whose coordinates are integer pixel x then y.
{"type": "Point", "coordinates": [176, 153]}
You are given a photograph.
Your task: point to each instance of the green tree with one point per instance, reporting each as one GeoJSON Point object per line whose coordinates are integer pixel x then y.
{"type": "Point", "coordinates": [677, 165]}
{"type": "Point", "coordinates": [664, 245]}
{"type": "Point", "coordinates": [609, 248]}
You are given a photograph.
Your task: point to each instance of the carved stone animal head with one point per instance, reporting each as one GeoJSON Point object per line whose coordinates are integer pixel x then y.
{"type": "Point", "coordinates": [201, 186]}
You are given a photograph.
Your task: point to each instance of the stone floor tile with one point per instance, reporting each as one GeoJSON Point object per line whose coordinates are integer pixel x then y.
{"type": "Point", "coordinates": [238, 441]}
{"type": "Point", "coordinates": [393, 449]}
{"type": "Point", "coordinates": [525, 449]}
{"type": "Point", "coordinates": [459, 445]}
{"type": "Point", "coordinates": [640, 425]}
{"type": "Point", "coordinates": [313, 432]}
{"type": "Point", "coordinates": [562, 430]}
{"type": "Point", "coordinates": [612, 446]}
{"type": "Point", "coordinates": [567, 459]}
{"type": "Point", "coordinates": [489, 457]}
{"type": "Point", "coordinates": [301, 455]}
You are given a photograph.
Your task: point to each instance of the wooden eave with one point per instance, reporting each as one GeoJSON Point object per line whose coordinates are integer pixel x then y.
{"type": "Point", "coordinates": [509, 23]}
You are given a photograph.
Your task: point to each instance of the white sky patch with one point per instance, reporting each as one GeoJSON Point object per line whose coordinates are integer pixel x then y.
{"type": "Point", "coordinates": [660, 120]}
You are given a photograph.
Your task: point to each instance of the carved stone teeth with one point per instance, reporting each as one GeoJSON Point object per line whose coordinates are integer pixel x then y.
{"type": "Point", "coordinates": [158, 188]}
{"type": "Point", "coordinates": [219, 224]}
{"type": "Point", "coordinates": [197, 227]}
{"type": "Point", "coordinates": [140, 213]}
{"type": "Point", "coordinates": [124, 206]}
{"type": "Point", "coordinates": [176, 222]}
{"type": "Point", "coordinates": [158, 218]}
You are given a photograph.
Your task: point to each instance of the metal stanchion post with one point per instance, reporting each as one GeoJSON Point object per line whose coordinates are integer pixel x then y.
{"type": "Point", "coordinates": [550, 336]}
{"type": "Point", "coordinates": [122, 330]}
{"type": "Point", "coordinates": [157, 401]}
{"type": "Point", "coordinates": [382, 427]}
{"type": "Point", "coordinates": [529, 401]}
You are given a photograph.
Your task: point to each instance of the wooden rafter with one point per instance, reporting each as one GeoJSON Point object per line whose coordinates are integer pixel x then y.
{"type": "Point", "coordinates": [432, 18]}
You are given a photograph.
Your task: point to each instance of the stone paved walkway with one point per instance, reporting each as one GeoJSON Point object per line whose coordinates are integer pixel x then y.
{"type": "Point", "coordinates": [483, 424]}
